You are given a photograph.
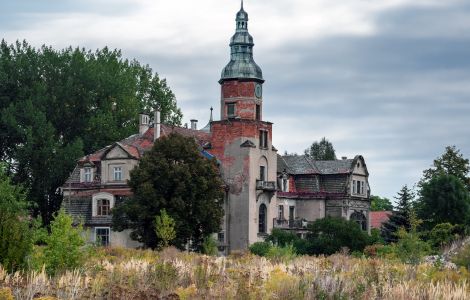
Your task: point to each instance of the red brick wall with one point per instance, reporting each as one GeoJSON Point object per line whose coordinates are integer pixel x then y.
{"type": "Point", "coordinates": [242, 93]}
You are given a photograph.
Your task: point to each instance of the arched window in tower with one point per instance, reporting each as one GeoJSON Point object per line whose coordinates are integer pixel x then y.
{"type": "Point", "coordinates": [262, 219]}
{"type": "Point", "coordinates": [360, 219]}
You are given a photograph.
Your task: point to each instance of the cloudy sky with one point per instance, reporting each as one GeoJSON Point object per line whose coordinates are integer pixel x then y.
{"type": "Point", "coordinates": [388, 79]}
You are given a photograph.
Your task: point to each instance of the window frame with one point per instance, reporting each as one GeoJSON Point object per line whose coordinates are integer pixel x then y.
{"type": "Point", "coordinates": [263, 139]}
{"type": "Point", "coordinates": [108, 241]}
{"type": "Point", "coordinates": [115, 168]}
{"type": "Point", "coordinates": [231, 106]}
{"type": "Point", "coordinates": [280, 212]}
{"type": "Point", "coordinates": [87, 174]}
{"type": "Point", "coordinates": [101, 207]}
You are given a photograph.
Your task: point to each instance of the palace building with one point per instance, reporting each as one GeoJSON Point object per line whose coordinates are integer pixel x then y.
{"type": "Point", "coordinates": [264, 190]}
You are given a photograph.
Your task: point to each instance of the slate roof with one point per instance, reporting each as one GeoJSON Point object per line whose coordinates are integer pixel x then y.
{"type": "Point", "coordinates": [302, 165]}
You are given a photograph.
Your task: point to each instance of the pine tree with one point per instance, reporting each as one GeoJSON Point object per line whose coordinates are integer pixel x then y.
{"type": "Point", "coordinates": [322, 150]}
{"type": "Point", "coordinates": [400, 217]}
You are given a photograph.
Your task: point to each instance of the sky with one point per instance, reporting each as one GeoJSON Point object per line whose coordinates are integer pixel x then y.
{"type": "Point", "coordinates": [388, 79]}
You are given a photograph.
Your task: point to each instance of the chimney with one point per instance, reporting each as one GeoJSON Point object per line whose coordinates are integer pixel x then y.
{"type": "Point", "coordinates": [144, 122]}
{"type": "Point", "coordinates": [157, 125]}
{"type": "Point", "coordinates": [193, 124]}
{"type": "Point", "coordinates": [344, 157]}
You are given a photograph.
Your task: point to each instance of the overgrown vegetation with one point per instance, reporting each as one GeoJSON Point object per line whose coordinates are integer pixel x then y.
{"type": "Point", "coordinates": [170, 274]}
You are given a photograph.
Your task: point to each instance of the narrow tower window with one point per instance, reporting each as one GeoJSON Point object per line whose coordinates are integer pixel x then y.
{"type": "Point", "coordinates": [262, 219]}
{"type": "Point", "coordinates": [231, 109]}
{"type": "Point", "coordinates": [258, 112]}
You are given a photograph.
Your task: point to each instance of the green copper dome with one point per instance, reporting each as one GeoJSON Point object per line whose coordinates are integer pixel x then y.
{"type": "Point", "coordinates": [241, 63]}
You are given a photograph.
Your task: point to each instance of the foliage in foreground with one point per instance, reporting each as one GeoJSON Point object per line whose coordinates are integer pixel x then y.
{"type": "Point", "coordinates": [138, 274]}
{"type": "Point", "coordinates": [173, 176]}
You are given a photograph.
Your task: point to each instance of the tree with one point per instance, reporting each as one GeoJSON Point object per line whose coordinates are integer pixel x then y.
{"type": "Point", "coordinates": [15, 234]}
{"type": "Point", "coordinates": [173, 176]}
{"type": "Point", "coordinates": [56, 105]}
{"type": "Point", "coordinates": [380, 204]}
{"type": "Point", "coordinates": [63, 245]}
{"type": "Point", "coordinates": [322, 150]}
{"type": "Point", "coordinates": [451, 162]}
{"type": "Point", "coordinates": [165, 228]}
{"type": "Point", "coordinates": [400, 217]}
{"type": "Point", "coordinates": [444, 199]}
{"type": "Point", "coordinates": [329, 235]}
{"type": "Point", "coordinates": [409, 247]}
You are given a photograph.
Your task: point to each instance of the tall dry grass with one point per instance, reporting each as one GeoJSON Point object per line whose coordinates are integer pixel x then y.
{"type": "Point", "coordinates": [170, 274]}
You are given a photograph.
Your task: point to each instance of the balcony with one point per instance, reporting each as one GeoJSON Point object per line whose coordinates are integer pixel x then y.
{"type": "Point", "coordinates": [290, 224]}
{"type": "Point", "coordinates": [269, 186]}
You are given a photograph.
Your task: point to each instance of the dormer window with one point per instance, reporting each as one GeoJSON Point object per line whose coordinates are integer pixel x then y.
{"type": "Point", "coordinates": [117, 173]}
{"type": "Point", "coordinates": [87, 174]}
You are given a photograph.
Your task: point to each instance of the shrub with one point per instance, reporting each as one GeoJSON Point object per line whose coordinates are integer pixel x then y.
{"type": "Point", "coordinates": [15, 240]}
{"type": "Point", "coordinates": [281, 254]}
{"type": "Point", "coordinates": [63, 246]}
{"type": "Point", "coordinates": [281, 237]}
{"type": "Point", "coordinates": [209, 246]}
{"type": "Point", "coordinates": [329, 235]}
{"type": "Point", "coordinates": [462, 258]}
{"type": "Point", "coordinates": [410, 248]}
{"type": "Point", "coordinates": [442, 234]}
{"type": "Point", "coordinates": [165, 228]}
{"type": "Point", "coordinates": [260, 248]}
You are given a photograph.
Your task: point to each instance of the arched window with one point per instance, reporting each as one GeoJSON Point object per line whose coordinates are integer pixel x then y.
{"type": "Point", "coordinates": [360, 219]}
{"type": "Point", "coordinates": [103, 207]}
{"type": "Point", "coordinates": [262, 218]}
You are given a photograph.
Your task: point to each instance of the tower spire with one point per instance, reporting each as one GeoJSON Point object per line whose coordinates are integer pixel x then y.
{"type": "Point", "coordinates": [242, 4]}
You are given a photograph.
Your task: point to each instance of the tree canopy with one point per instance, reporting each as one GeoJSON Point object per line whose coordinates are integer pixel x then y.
{"type": "Point", "coordinates": [379, 203]}
{"type": "Point", "coordinates": [444, 199]}
{"type": "Point", "coordinates": [451, 162]}
{"type": "Point", "coordinates": [56, 105]}
{"type": "Point", "coordinates": [176, 177]}
{"type": "Point", "coordinates": [322, 150]}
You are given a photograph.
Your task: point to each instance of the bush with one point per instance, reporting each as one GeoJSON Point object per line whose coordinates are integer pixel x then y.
{"type": "Point", "coordinates": [209, 246]}
{"type": "Point", "coordinates": [260, 248]}
{"type": "Point", "coordinates": [442, 234]}
{"type": "Point", "coordinates": [462, 258]}
{"type": "Point", "coordinates": [281, 254]}
{"type": "Point", "coordinates": [63, 246]}
{"type": "Point", "coordinates": [410, 248]}
{"type": "Point", "coordinates": [15, 241]}
{"type": "Point", "coordinates": [281, 237]}
{"type": "Point", "coordinates": [329, 235]}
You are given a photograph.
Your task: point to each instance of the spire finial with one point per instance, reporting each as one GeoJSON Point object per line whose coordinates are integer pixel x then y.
{"type": "Point", "coordinates": [242, 4]}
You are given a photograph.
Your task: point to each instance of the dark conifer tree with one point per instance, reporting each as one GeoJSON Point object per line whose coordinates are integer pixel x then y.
{"type": "Point", "coordinates": [400, 216]}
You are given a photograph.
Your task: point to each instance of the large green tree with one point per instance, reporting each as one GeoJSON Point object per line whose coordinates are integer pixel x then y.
{"type": "Point", "coordinates": [444, 199]}
{"type": "Point", "coordinates": [451, 162]}
{"type": "Point", "coordinates": [56, 105]}
{"type": "Point", "coordinates": [401, 216]}
{"type": "Point", "coordinates": [322, 150]}
{"type": "Point", "coordinates": [174, 176]}
{"type": "Point", "coordinates": [379, 204]}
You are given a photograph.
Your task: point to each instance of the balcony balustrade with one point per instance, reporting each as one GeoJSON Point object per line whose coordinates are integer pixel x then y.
{"type": "Point", "coordinates": [269, 186]}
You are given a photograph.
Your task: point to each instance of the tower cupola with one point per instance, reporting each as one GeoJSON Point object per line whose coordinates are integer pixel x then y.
{"type": "Point", "coordinates": [242, 64]}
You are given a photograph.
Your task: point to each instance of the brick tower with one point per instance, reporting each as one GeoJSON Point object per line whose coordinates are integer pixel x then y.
{"type": "Point", "coordinates": [242, 142]}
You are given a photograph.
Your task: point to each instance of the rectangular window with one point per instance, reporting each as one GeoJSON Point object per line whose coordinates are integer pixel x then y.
{"type": "Point", "coordinates": [221, 237]}
{"type": "Point", "coordinates": [362, 187]}
{"type": "Point", "coordinates": [231, 109]}
{"type": "Point", "coordinates": [285, 185]}
{"type": "Point", "coordinates": [102, 236]}
{"type": "Point", "coordinates": [262, 173]}
{"type": "Point", "coordinates": [354, 187]}
{"type": "Point", "coordinates": [358, 188]}
{"type": "Point", "coordinates": [117, 173]}
{"type": "Point", "coordinates": [281, 212]}
{"type": "Point", "coordinates": [263, 139]}
{"type": "Point", "coordinates": [291, 212]}
{"type": "Point", "coordinates": [258, 112]}
{"type": "Point", "coordinates": [103, 207]}
{"type": "Point", "coordinates": [87, 175]}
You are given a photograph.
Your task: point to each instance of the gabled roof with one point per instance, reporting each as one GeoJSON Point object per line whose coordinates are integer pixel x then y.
{"type": "Point", "coordinates": [303, 165]}
{"type": "Point", "coordinates": [135, 145]}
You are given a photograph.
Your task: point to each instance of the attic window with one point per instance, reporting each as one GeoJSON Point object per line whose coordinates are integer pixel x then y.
{"type": "Point", "coordinates": [358, 164]}
{"type": "Point", "coordinates": [87, 174]}
{"type": "Point", "coordinates": [117, 173]}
